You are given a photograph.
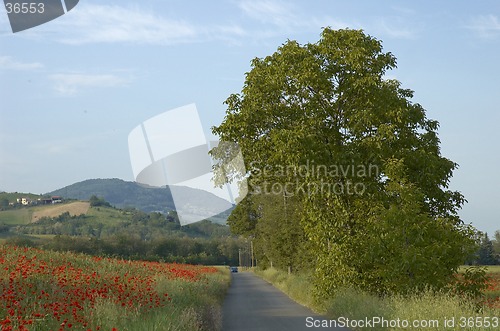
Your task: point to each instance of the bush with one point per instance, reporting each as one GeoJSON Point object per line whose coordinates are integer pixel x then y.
{"type": "Point", "coordinates": [470, 286]}
{"type": "Point", "coordinates": [4, 228]}
{"type": "Point", "coordinates": [98, 202]}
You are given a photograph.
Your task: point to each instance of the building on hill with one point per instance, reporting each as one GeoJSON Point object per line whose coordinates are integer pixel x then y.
{"type": "Point", "coordinates": [44, 201]}
{"type": "Point", "coordinates": [51, 200]}
{"type": "Point", "coordinates": [24, 201]}
{"type": "Point", "coordinates": [56, 199]}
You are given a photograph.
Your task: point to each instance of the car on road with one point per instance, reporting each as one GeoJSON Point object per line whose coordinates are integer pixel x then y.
{"type": "Point", "coordinates": [233, 269]}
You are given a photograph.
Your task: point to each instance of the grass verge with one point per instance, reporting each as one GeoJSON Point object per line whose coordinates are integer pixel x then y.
{"type": "Point", "coordinates": [422, 311]}
{"type": "Point", "coordinates": [298, 287]}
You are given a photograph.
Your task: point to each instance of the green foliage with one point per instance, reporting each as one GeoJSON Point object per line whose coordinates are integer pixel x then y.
{"type": "Point", "coordinates": [273, 223]}
{"type": "Point", "coordinates": [471, 285]}
{"type": "Point", "coordinates": [98, 202]}
{"type": "Point", "coordinates": [487, 254]}
{"type": "Point", "coordinates": [496, 245]}
{"type": "Point", "coordinates": [279, 237]}
{"type": "Point", "coordinates": [327, 105]}
{"type": "Point", "coordinates": [131, 234]}
{"type": "Point", "coordinates": [243, 218]}
{"type": "Point", "coordinates": [21, 241]}
{"type": "Point", "coordinates": [4, 203]}
{"type": "Point", "coordinates": [4, 228]}
{"type": "Point", "coordinates": [222, 251]}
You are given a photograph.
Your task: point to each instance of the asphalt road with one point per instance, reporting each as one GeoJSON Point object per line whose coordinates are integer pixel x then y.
{"type": "Point", "coordinates": [253, 304]}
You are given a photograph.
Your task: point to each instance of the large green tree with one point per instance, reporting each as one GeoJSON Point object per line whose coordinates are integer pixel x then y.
{"type": "Point", "coordinates": [322, 123]}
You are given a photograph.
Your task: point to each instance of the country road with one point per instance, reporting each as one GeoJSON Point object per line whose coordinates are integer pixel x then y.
{"type": "Point", "coordinates": [253, 304]}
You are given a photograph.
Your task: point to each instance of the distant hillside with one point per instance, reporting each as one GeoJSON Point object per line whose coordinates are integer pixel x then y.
{"type": "Point", "coordinates": [122, 194]}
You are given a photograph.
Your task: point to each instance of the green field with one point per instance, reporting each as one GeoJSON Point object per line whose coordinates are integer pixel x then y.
{"type": "Point", "coordinates": [107, 214]}
{"type": "Point", "coordinates": [493, 269]}
{"type": "Point", "coordinates": [490, 269]}
{"type": "Point", "coordinates": [24, 215]}
{"type": "Point", "coordinates": [19, 216]}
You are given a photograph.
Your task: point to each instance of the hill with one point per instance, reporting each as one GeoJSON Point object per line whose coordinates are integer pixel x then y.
{"type": "Point", "coordinates": [123, 194]}
{"type": "Point", "coordinates": [120, 194]}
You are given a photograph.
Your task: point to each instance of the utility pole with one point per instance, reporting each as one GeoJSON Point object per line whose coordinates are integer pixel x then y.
{"type": "Point", "coordinates": [239, 256]}
{"type": "Point", "coordinates": [251, 252]}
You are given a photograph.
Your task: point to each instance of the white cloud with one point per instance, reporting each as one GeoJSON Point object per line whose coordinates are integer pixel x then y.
{"type": "Point", "coordinates": [404, 10]}
{"type": "Point", "coordinates": [111, 24]}
{"type": "Point", "coordinates": [487, 26]}
{"type": "Point", "coordinates": [289, 18]}
{"type": "Point", "coordinates": [95, 23]}
{"type": "Point", "coordinates": [396, 27]}
{"type": "Point", "coordinates": [91, 23]}
{"type": "Point", "coordinates": [72, 83]}
{"type": "Point", "coordinates": [9, 63]}
{"type": "Point", "coordinates": [267, 11]}
{"type": "Point", "coordinates": [285, 17]}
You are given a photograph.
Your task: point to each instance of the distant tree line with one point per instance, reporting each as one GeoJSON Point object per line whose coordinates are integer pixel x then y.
{"type": "Point", "coordinates": [215, 251]}
{"type": "Point", "coordinates": [488, 252]}
{"type": "Point", "coordinates": [134, 235]}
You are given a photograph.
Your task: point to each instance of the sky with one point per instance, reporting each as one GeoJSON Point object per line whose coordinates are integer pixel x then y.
{"type": "Point", "coordinates": [71, 90]}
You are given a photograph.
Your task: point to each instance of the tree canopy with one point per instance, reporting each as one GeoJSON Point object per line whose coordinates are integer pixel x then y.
{"type": "Point", "coordinates": [320, 125]}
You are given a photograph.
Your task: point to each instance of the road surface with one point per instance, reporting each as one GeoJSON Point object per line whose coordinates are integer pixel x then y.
{"type": "Point", "coordinates": [253, 304]}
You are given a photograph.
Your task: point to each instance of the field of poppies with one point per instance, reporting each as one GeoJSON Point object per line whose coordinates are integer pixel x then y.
{"type": "Point", "coordinates": [492, 292]}
{"type": "Point", "coordinates": [44, 290]}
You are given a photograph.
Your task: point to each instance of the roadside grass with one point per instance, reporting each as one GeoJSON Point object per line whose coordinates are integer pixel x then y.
{"type": "Point", "coordinates": [299, 287]}
{"type": "Point", "coordinates": [194, 306]}
{"type": "Point", "coordinates": [429, 309]}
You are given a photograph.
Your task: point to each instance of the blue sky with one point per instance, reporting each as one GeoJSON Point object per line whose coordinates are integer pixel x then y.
{"type": "Point", "coordinates": [71, 90]}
